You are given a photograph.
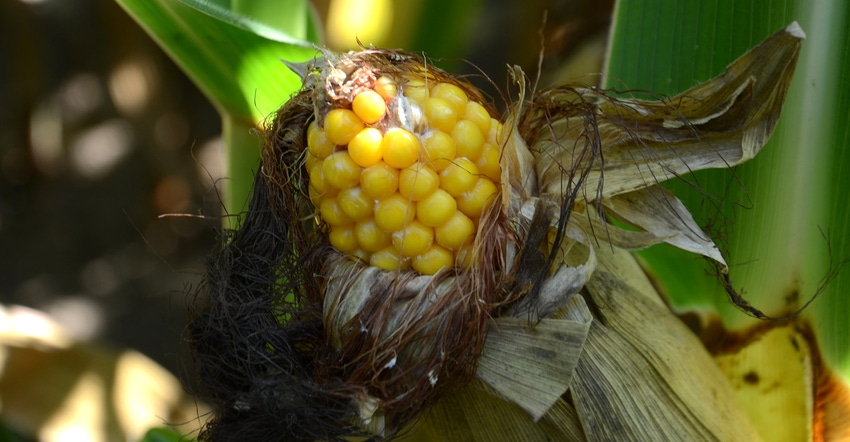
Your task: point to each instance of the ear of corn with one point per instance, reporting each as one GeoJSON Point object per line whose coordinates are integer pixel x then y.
{"type": "Point", "coordinates": [402, 172]}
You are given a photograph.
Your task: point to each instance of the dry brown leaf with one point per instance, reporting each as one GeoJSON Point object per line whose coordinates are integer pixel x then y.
{"type": "Point", "coordinates": [717, 124]}
{"type": "Point", "coordinates": [645, 376]}
{"type": "Point", "coordinates": [531, 363]}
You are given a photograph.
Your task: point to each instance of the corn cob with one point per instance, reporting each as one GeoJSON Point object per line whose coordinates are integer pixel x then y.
{"type": "Point", "coordinates": [402, 173]}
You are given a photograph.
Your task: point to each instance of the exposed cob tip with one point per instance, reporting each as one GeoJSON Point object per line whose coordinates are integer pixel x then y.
{"type": "Point", "coordinates": [402, 165]}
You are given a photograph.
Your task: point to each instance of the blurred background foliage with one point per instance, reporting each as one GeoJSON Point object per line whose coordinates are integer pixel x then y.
{"type": "Point", "coordinates": [101, 134]}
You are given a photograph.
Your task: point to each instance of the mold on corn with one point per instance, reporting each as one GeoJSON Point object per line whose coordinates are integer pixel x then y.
{"type": "Point", "coordinates": [402, 171]}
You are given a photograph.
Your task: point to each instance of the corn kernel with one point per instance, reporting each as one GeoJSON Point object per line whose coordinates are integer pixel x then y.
{"type": "Point", "coordinates": [453, 94]}
{"type": "Point", "coordinates": [370, 237]}
{"type": "Point", "coordinates": [311, 160]}
{"type": "Point", "coordinates": [441, 114]}
{"type": "Point", "coordinates": [393, 213]}
{"type": "Point", "coordinates": [340, 171]}
{"type": "Point", "coordinates": [459, 177]}
{"type": "Point", "coordinates": [468, 139]}
{"type": "Point", "coordinates": [495, 130]}
{"type": "Point", "coordinates": [317, 178]}
{"type": "Point", "coordinates": [355, 203]}
{"type": "Point", "coordinates": [436, 209]}
{"type": "Point", "coordinates": [315, 196]}
{"type": "Point", "coordinates": [465, 255]}
{"type": "Point", "coordinates": [318, 143]}
{"type": "Point", "coordinates": [400, 148]}
{"type": "Point", "coordinates": [389, 258]}
{"type": "Point", "coordinates": [341, 125]}
{"type": "Point", "coordinates": [332, 214]}
{"type": "Point", "coordinates": [413, 239]}
{"type": "Point", "coordinates": [477, 114]}
{"type": "Point", "coordinates": [438, 149]}
{"type": "Point", "coordinates": [379, 181]}
{"type": "Point", "coordinates": [369, 106]}
{"type": "Point", "coordinates": [455, 232]}
{"type": "Point", "coordinates": [473, 202]}
{"type": "Point", "coordinates": [343, 238]}
{"type": "Point", "coordinates": [433, 260]}
{"type": "Point", "coordinates": [488, 162]}
{"type": "Point", "coordinates": [417, 182]}
{"type": "Point", "coordinates": [386, 88]}
{"type": "Point", "coordinates": [365, 147]}
{"type": "Point", "coordinates": [416, 90]}
{"type": "Point", "coordinates": [360, 255]}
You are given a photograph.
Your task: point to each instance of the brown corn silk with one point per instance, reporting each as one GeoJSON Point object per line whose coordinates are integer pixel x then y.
{"type": "Point", "coordinates": [294, 341]}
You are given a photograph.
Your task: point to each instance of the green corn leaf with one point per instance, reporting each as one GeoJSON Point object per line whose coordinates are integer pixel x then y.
{"type": "Point", "coordinates": [232, 50]}
{"type": "Point", "coordinates": [783, 218]}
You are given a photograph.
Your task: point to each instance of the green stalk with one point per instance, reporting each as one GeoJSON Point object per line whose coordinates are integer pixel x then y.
{"type": "Point", "coordinates": [768, 214]}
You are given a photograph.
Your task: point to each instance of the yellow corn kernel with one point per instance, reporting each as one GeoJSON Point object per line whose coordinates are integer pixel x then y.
{"type": "Point", "coordinates": [317, 143]}
{"type": "Point", "coordinates": [340, 171]}
{"type": "Point", "coordinates": [441, 114]}
{"type": "Point", "coordinates": [400, 148]}
{"type": "Point", "coordinates": [472, 203]}
{"type": "Point", "coordinates": [317, 178]}
{"type": "Point", "coordinates": [438, 149]}
{"type": "Point", "coordinates": [459, 177]}
{"type": "Point", "coordinates": [369, 106]}
{"type": "Point", "coordinates": [464, 255]}
{"type": "Point", "coordinates": [417, 182]}
{"type": "Point", "coordinates": [365, 147]}
{"type": "Point", "coordinates": [379, 181]}
{"type": "Point", "coordinates": [468, 139]}
{"type": "Point", "coordinates": [315, 196]}
{"type": "Point", "coordinates": [393, 213]}
{"type": "Point", "coordinates": [416, 90]}
{"type": "Point", "coordinates": [433, 260]}
{"type": "Point", "coordinates": [488, 162]}
{"type": "Point", "coordinates": [413, 239]}
{"type": "Point", "coordinates": [477, 114]}
{"type": "Point", "coordinates": [455, 232]}
{"type": "Point", "coordinates": [389, 258]}
{"type": "Point", "coordinates": [370, 237]}
{"type": "Point", "coordinates": [360, 255]}
{"type": "Point", "coordinates": [436, 209]}
{"type": "Point", "coordinates": [332, 214]}
{"type": "Point", "coordinates": [355, 203]}
{"type": "Point", "coordinates": [495, 129]}
{"type": "Point", "coordinates": [343, 238]}
{"type": "Point", "coordinates": [341, 125]}
{"type": "Point", "coordinates": [311, 160]}
{"type": "Point", "coordinates": [386, 88]}
{"type": "Point", "coordinates": [453, 94]}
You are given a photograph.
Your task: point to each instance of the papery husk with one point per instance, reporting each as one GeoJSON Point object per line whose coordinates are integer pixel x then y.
{"type": "Point", "coordinates": [720, 123]}
{"type": "Point", "coordinates": [642, 376]}
{"type": "Point", "coordinates": [638, 144]}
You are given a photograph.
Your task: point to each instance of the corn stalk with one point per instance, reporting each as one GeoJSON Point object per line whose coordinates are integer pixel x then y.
{"type": "Point", "coordinates": [783, 219]}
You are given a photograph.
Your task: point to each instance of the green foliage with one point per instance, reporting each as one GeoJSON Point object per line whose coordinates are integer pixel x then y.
{"type": "Point", "coordinates": [164, 435]}
{"type": "Point", "coordinates": [781, 218]}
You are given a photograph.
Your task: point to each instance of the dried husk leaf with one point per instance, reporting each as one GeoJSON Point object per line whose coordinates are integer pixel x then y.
{"type": "Point", "coordinates": [531, 364]}
{"type": "Point", "coordinates": [477, 413]}
{"type": "Point", "coordinates": [660, 213]}
{"type": "Point", "coordinates": [717, 124]}
{"type": "Point", "coordinates": [644, 375]}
